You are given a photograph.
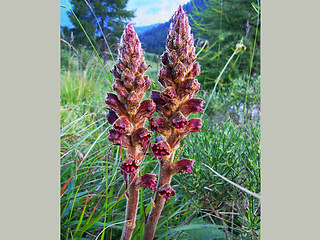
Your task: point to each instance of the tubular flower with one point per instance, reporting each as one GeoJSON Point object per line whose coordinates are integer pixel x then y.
{"type": "Point", "coordinates": [147, 181]}
{"type": "Point", "coordinates": [161, 149]}
{"type": "Point", "coordinates": [166, 191]}
{"type": "Point", "coordinates": [193, 105]}
{"type": "Point", "coordinates": [118, 138]}
{"type": "Point", "coordinates": [146, 109]}
{"type": "Point", "coordinates": [194, 125]}
{"type": "Point", "coordinates": [122, 125]}
{"type": "Point", "coordinates": [142, 136]}
{"type": "Point", "coordinates": [129, 166]}
{"type": "Point", "coordinates": [179, 121]}
{"type": "Point", "coordinates": [182, 165]}
{"type": "Point", "coordinates": [158, 125]}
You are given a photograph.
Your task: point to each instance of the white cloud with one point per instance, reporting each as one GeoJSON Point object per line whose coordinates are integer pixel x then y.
{"type": "Point", "coordinates": [150, 12]}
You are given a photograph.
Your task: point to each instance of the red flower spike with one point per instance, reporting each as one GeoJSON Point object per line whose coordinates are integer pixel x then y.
{"type": "Point", "coordinates": [147, 181]}
{"type": "Point", "coordinates": [183, 165]}
{"type": "Point", "coordinates": [122, 125]}
{"type": "Point", "coordinates": [193, 105]}
{"type": "Point", "coordinates": [166, 191]}
{"type": "Point", "coordinates": [194, 125]}
{"type": "Point", "coordinates": [161, 149]}
{"type": "Point", "coordinates": [129, 166]}
{"type": "Point", "coordinates": [112, 116]}
{"type": "Point", "coordinates": [179, 121]}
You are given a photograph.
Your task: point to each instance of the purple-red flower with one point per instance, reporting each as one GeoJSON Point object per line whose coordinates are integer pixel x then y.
{"type": "Point", "coordinates": [179, 121]}
{"type": "Point", "coordinates": [112, 116]}
{"type": "Point", "coordinates": [161, 149]}
{"type": "Point", "coordinates": [192, 105]}
{"type": "Point", "coordinates": [113, 102]}
{"type": "Point", "coordinates": [147, 181]}
{"type": "Point", "coordinates": [122, 125]}
{"type": "Point", "coordinates": [132, 103]}
{"type": "Point", "coordinates": [129, 166]}
{"type": "Point", "coordinates": [189, 88]}
{"type": "Point", "coordinates": [142, 136]}
{"type": "Point", "coordinates": [169, 95]}
{"type": "Point", "coordinates": [145, 110]}
{"type": "Point", "coordinates": [194, 125]}
{"type": "Point", "coordinates": [118, 138]}
{"type": "Point", "coordinates": [158, 125]}
{"type": "Point", "coordinates": [120, 89]}
{"type": "Point", "coordinates": [183, 165]}
{"type": "Point", "coordinates": [162, 106]}
{"type": "Point", "coordinates": [166, 191]}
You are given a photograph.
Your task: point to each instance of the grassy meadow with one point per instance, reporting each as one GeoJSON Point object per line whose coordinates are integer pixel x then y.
{"type": "Point", "coordinates": [207, 205]}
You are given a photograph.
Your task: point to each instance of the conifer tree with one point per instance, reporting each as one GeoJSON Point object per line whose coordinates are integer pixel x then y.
{"type": "Point", "coordinates": [100, 17]}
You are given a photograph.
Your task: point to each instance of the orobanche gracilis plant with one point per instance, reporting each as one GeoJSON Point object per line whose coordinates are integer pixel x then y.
{"type": "Point", "coordinates": [128, 114]}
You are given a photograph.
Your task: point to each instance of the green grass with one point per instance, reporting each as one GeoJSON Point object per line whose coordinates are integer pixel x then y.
{"type": "Point", "coordinates": [93, 191]}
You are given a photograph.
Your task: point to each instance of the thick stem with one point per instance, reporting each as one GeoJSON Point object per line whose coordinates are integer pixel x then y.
{"type": "Point", "coordinates": [156, 209]}
{"type": "Point", "coordinates": [132, 205]}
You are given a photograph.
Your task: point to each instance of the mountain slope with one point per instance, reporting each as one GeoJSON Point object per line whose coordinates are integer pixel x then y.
{"type": "Point", "coordinates": [154, 39]}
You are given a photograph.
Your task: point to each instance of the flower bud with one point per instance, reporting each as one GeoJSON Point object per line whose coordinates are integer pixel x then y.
{"type": "Point", "coordinates": [189, 88]}
{"type": "Point", "coordinates": [132, 103]}
{"type": "Point", "coordinates": [169, 95]}
{"type": "Point", "coordinates": [162, 106]}
{"type": "Point", "coordinates": [165, 76]}
{"type": "Point", "coordinates": [166, 191]}
{"type": "Point", "coordinates": [120, 89]}
{"type": "Point", "coordinates": [147, 181]}
{"type": "Point", "coordinates": [158, 125]}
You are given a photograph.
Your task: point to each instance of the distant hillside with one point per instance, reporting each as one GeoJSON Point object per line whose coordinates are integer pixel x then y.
{"type": "Point", "coordinates": [143, 29]}
{"type": "Point", "coordinates": [154, 39]}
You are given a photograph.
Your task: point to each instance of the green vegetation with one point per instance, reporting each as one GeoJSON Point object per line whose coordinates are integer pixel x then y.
{"type": "Point", "coordinates": [221, 25]}
{"type": "Point", "coordinates": [103, 22]}
{"type": "Point", "coordinates": [92, 186]}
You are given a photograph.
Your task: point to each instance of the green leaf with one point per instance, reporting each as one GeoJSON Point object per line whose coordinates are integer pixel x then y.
{"type": "Point", "coordinates": [200, 231]}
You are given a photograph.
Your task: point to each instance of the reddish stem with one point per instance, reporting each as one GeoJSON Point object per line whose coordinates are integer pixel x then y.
{"type": "Point", "coordinates": [156, 209]}
{"type": "Point", "coordinates": [131, 208]}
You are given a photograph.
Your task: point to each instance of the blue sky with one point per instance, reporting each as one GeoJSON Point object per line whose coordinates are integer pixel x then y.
{"type": "Point", "coordinates": [147, 11]}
